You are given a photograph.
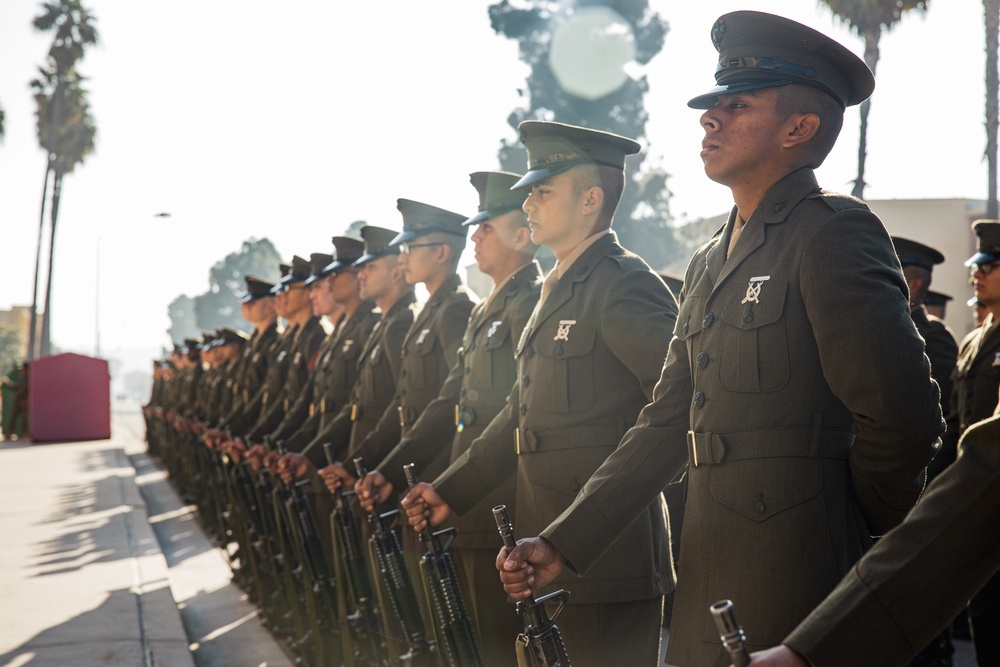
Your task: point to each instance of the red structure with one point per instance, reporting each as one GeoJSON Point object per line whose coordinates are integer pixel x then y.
{"type": "Point", "coordinates": [69, 398]}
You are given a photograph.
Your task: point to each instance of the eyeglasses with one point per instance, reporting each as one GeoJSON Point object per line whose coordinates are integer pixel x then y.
{"type": "Point", "coordinates": [407, 247]}
{"type": "Point", "coordinates": [985, 269]}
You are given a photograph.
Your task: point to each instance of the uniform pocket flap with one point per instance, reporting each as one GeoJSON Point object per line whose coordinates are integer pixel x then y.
{"type": "Point", "coordinates": [563, 339]}
{"type": "Point", "coordinates": [757, 309]}
{"type": "Point", "coordinates": [761, 488]}
{"type": "Point", "coordinates": [496, 334]}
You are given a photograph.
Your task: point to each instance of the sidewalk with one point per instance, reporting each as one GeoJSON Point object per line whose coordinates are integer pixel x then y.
{"type": "Point", "coordinates": [101, 564]}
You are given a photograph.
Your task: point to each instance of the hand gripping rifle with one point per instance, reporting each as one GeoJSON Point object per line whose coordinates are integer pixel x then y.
{"type": "Point", "coordinates": [357, 605]}
{"type": "Point", "coordinates": [397, 585]}
{"type": "Point", "coordinates": [452, 623]}
{"type": "Point", "coordinates": [731, 633]}
{"type": "Point", "coordinates": [540, 645]}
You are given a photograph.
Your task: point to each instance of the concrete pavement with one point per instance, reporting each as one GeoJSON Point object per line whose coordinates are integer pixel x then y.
{"type": "Point", "coordinates": [102, 564]}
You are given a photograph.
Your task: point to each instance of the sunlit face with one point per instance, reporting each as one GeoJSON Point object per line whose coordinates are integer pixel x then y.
{"type": "Point", "coordinates": [296, 299]}
{"type": "Point", "coordinates": [553, 209]}
{"type": "Point", "coordinates": [281, 303]}
{"type": "Point", "coordinates": [344, 285]}
{"type": "Point", "coordinates": [743, 133]}
{"type": "Point", "coordinates": [986, 284]}
{"type": "Point", "coordinates": [419, 259]}
{"type": "Point", "coordinates": [375, 278]}
{"type": "Point", "coordinates": [494, 241]}
{"type": "Point", "coordinates": [321, 297]}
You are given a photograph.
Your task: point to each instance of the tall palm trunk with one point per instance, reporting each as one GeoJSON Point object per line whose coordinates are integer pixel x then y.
{"type": "Point", "coordinates": [871, 59]}
{"type": "Point", "coordinates": [32, 343]}
{"type": "Point", "coordinates": [992, 11]}
{"type": "Point", "coordinates": [54, 216]}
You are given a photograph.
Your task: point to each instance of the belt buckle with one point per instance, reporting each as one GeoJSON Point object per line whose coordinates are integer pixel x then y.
{"type": "Point", "coordinates": [402, 417]}
{"type": "Point", "coordinates": [692, 447]}
{"type": "Point", "coordinates": [354, 412]}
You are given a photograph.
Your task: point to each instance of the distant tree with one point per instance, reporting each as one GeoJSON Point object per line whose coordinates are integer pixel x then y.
{"type": "Point", "coordinates": [354, 229]}
{"type": "Point", "coordinates": [11, 347]}
{"type": "Point", "coordinates": [579, 52]}
{"type": "Point", "coordinates": [66, 130]}
{"type": "Point", "coordinates": [991, 9]}
{"type": "Point", "coordinates": [182, 319]}
{"type": "Point", "coordinates": [220, 306]}
{"type": "Point", "coordinates": [869, 19]}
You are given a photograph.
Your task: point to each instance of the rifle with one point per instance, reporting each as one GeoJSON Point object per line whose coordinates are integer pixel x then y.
{"type": "Point", "coordinates": [398, 586]}
{"type": "Point", "coordinates": [452, 623]}
{"type": "Point", "coordinates": [731, 632]}
{"type": "Point", "coordinates": [314, 581]}
{"type": "Point", "coordinates": [358, 610]}
{"type": "Point", "coordinates": [540, 645]}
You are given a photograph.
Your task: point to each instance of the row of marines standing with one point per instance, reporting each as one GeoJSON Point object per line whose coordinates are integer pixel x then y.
{"type": "Point", "coordinates": [775, 378]}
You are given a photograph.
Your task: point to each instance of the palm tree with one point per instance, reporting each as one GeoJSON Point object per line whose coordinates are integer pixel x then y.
{"type": "Point", "coordinates": [991, 9]}
{"type": "Point", "coordinates": [869, 19]}
{"type": "Point", "coordinates": [65, 128]}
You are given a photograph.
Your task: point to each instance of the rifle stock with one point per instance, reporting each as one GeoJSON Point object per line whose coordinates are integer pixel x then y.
{"type": "Point", "coordinates": [540, 645]}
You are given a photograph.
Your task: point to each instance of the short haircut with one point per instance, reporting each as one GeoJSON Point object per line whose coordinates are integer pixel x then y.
{"type": "Point", "coordinates": [611, 180]}
{"type": "Point", "coordinates": [802, 98]}
{"type": "Point", "coordinates": [914, 271]}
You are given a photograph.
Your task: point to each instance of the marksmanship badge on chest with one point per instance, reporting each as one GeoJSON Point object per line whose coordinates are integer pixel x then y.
{"type": "Point", "coordinates": [996, 360]}
{"type": "Point", "coordinates": [753, 289]}
{"type": "Point", "coordinates": [347, 346]}
{"type": "Point", "coordinates": [493, 328]}
{"type": "Point", "coordinates": [422, 336]}
{"type": "Point", "coordinates": [563, 332]}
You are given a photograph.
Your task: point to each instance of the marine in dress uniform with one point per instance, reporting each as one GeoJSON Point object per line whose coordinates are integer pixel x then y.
{"type": "Point", "coordinates": [977, 377]}
{"type": "Point", "coordinates": [337, 367]}
{"type": "Point", "coordinates": [431, 243]}
{"type": "Point", "coordinates": [301, 355]}
{"type": "Point", "coordinates": [804, 415]}
{"type": "Point", "coordinates": [936, 303]}
{"type": "Point", "coordinates": [587, 361]}
{"type": "Point", "coordinates": [918, 261]}
{"type": "Point", "coordinates": [379, 362]}
{"type": "Point", "coordinates": [474, 393]}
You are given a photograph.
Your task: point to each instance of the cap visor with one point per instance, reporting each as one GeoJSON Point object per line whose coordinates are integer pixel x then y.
{"type": "Point", "coordinates": [982, 258]}
{"type": "Point", "coordinates": [708, 100]}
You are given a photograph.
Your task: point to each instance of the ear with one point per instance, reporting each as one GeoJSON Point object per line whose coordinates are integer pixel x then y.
{"type": "Point", "coordinates": [802, 128]}
{"type": "Point", "coordinates": [593, 200]}
{"type": "Point", "coordinates": [443, 253]}
{"type": "Point", "coordinates": [522, 236]}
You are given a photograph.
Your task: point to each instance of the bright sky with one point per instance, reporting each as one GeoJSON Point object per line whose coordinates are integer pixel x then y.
{"type": "Point", "coordinates": [290, 120]}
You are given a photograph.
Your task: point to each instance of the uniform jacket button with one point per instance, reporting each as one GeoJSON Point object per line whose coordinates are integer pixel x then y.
{"type": "Point", "coordinates": [709, 318]}
{"type": "Point", "coordinates": [699, 399]}
{"type": "Point", "coordinates": [684, 328]}
{"type": "Point", "coordinates": [748, 317]}
{"type": "Point", "coordinates": [702, 359]}
{"type": "Point", "coordinates": [523, 409]}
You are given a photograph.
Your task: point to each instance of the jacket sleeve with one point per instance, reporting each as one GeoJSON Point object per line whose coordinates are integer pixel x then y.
{"type": "Point", "coordinates": [881, 377]}
{"type": "Point", "coordinates": [921, 574]}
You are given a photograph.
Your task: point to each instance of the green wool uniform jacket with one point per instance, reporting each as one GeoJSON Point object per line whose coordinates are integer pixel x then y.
{"type": "Point", "coordinates": [919, 576]}
{"type": "Point", "coordinates": [378, 369]}
{"type": "Point", "coordinates": [249, 378]}
{"type": "Point", "coordinates": [473, 394]}
{"type": "Point", "coordinates": [977, 375]}
{"type": "Point", "coordinates": [429, 350]}
{"type": "Point", "coordinates": [278, 360]}
{"type": "Point", "coordinates": [798, 371]}
{"type": "Point", "coordinates": [587, 362]}
{"type": "Point", "coordinates": [329, 386]}
{"type": "Point", "coordinates": [303, 357]}
{"type": "Point", "coordinates": [942, 352]}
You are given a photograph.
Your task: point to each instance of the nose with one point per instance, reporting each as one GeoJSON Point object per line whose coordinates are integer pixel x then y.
{"type": "Point", "coordinates": [477, 235]}
{"type": "Point", "coordinates": [528, 202]}
{"type": "Point", "coordinates": [709, 120]}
